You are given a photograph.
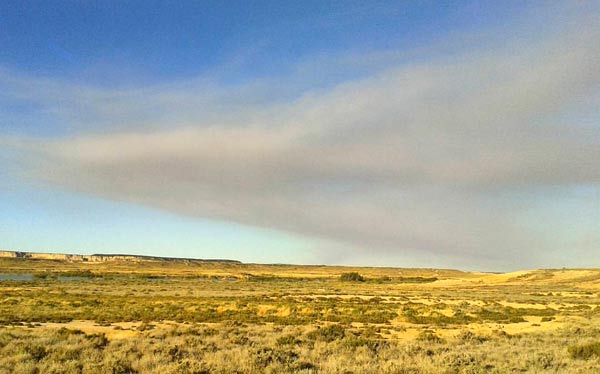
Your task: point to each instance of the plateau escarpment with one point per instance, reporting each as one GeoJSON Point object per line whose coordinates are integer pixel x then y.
{"type": "Point", "coordinates": [100, 257]}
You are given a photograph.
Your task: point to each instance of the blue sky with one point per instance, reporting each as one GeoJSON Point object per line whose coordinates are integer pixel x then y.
{"type": "Point", "coordinates": [437, 134]}
{"type": "Point", "coordinates": [152, 41]}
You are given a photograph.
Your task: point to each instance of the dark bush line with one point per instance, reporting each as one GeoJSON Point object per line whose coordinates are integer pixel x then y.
{"type": "Point", "coordinates": [352, 277]}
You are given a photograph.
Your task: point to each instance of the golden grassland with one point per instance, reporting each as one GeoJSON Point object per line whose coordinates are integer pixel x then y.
{"type": "Point", "coordinates": [209, 317]}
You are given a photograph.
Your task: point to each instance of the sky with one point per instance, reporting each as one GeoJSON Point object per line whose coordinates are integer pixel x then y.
{"type": "Point", "coordinates": [437, 134]}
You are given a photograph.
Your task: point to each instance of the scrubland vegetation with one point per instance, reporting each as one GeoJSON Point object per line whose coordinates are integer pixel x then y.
{"type": "Point", "coordinates": [192, 317]}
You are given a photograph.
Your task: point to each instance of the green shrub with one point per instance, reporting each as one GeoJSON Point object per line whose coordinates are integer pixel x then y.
{"type": "Point", "coordinates": [429, 336]}
{"type": "Point", "coordinates": [374, 345]}
{"type": "Point", "coordinates": [352, 277]}
{"type": "Point", "coordinates": [288, 340]}
{"type": "Point", "coordinates": [65, 331]}
{"type": "Point", "coordinates": [417, 280]}
{"type": "Point", "coordinates": [36, 351]}
{"type": "Point", "coordinates": [98, 340]}
{"type": "Point", "coordinates": [328, 334]}
{"type": "Point", "coordinates": [265, 356]}
{"type": "Point", "coordinates": [304, 365]}
{"type": "Point", "coordinates": [585, 351]}
{"type": "Point", "coordinates": [120, 366]}
{"type": "Point", "coordinates": [470, 337]}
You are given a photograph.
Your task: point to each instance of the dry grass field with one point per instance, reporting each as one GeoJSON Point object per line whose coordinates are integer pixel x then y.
{"type": "Point", "coordinates": [210, 317]}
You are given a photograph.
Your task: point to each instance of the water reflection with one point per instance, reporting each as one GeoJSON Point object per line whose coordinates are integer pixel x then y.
{"type": "Point", "coordinates": [17, 277]}
{"type": "Point", "coordinates": [31, 277]}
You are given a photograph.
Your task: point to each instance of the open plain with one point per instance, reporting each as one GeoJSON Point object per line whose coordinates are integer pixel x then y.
{"type": "Point", "coordinates": [154, 316]}
{"type": "Point", "coordinates": [408, 138]}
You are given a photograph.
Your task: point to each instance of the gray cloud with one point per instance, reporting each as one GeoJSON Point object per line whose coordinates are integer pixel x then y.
{"type": "Point", "coordinates": [429, 159]}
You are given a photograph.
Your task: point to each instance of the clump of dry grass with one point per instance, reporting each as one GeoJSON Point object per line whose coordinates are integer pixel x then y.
{"type": "Point", "coordinates": [292, 349]}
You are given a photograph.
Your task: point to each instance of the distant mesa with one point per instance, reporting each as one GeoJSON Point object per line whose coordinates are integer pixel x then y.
{"type": "Point", "coordinates": [103, 257]}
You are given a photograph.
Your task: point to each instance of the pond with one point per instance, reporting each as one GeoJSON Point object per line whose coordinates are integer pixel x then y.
{"type": "Point", "coordinates": [16, 277]}
{"type": "Point", "coordinates": [31, 277]}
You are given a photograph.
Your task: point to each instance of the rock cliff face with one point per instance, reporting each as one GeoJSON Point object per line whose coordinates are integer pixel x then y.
{"type": "Point", "coordinates": [99, 257]}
